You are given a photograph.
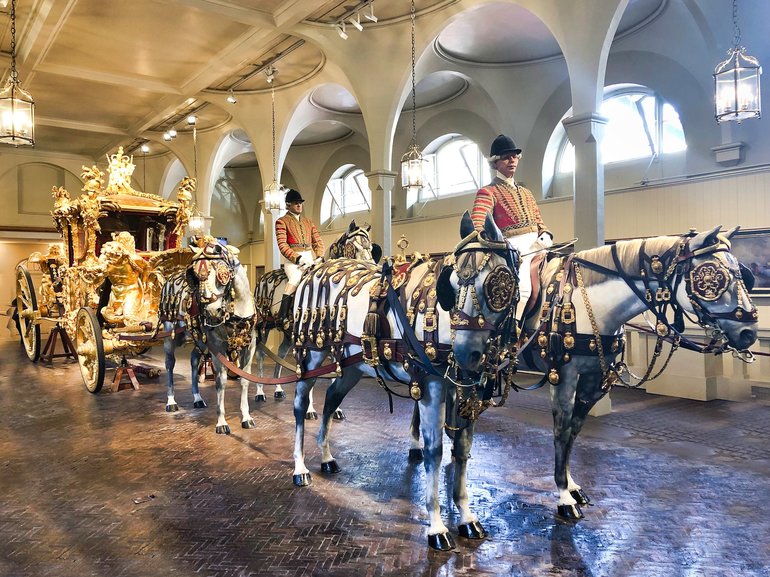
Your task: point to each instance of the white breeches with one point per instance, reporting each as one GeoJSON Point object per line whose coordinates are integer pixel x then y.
{"type": "Point", "coordinates": [294, 272]}
{"type": "Point", "coordinates": [523, 243]}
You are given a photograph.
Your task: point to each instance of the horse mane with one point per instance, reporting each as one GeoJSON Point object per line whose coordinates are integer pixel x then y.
{"type": "Point", "coordinates": [628, 254]}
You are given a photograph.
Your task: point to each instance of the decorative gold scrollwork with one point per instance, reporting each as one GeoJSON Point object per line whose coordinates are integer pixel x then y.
{"type": "Point", "coordinates": [499, 287]}
{"type": "Point", "coordinates": [709, 280]}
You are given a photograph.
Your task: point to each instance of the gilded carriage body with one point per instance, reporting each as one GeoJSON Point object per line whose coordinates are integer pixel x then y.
{"type": "Point", "coordinates": [102, 283]}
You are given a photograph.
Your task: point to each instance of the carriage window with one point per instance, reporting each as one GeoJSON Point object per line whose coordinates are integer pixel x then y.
{"type": "Point", "coordinates": [640, 125]}
{"type": "Point", "coordinates": [346, 192]}
{"type": "Point", "coordinates": [454, 165]}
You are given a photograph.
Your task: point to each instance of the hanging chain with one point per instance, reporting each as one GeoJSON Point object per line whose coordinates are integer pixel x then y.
{"type": "Point", "coordinates": [195, 151]}
{"type": "Point", "coordinates": [414, 92]}
{"type": "Point", "coordinates": [14, 73]}
{"type": "Point", "coordinates": [736, 29]}
{"type": "Point", "coordinates": [272, 104]}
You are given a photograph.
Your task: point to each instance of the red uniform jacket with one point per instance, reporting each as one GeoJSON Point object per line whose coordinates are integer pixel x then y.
{"type": "Point", "coordinates": [513, 209]}
{"type": "Point", "coordinates": [295, 236]}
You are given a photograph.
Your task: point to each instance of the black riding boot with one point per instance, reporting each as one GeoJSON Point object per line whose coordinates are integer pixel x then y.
{"type": "Point", "coordinates": [284, 313]}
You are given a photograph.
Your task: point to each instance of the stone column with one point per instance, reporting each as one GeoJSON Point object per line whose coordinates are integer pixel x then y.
{"type": "Point", "coordinates": [585, 133]}
{"type": "Point", "coordinates": [272, 255]}
{"type": "Point", "coordinates": [381, 184]}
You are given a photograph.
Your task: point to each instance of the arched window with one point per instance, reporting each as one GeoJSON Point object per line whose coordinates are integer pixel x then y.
{"type": "Point", "coordinates": [641, 125]}
{"type": "Point", "coordinates": [453, 165]}
{"type": "Point", "coordinates": [346, 192]}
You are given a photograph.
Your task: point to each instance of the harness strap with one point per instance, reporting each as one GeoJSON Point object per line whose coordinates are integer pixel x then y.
{"type": "Point", "coordinates": [313, 373]}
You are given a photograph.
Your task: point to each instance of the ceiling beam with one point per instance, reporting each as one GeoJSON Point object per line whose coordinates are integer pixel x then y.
{"type": "Point", "coordinates": [128, 81]}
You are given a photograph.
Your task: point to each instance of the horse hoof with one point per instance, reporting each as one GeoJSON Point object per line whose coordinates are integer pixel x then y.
{"type": "Point", "coordinates": [248, 424]}
{"type": "Point", "coordinates": [580, 497]}
{"type": "Point", "coordinates": [338, 415]}
{"type": "Point", "coordinates": [311, 416]}
{"type": "Point", "coordinates": [302, 480]}
{"type": "Point", "coordinates": [569, 512]}
{"type": "Point", "coordinates": [472, 530]}
{"type": "Point", "coordinates": [199, 405]}
{"type": "Point", "coordinates": [441, 542]}
{"type": "Point", "coordinates": [172, 408]}
{"type": "Point", "coordinates": [260, 399]}
{"type": "Point", "coordinates": [279, 395]}
{"type": "Point", "coordinates": [330, 467]}
{"type": "Point", "coordinates": [415, 455]}
{"type": "Point", "coordinates": [223, 429]}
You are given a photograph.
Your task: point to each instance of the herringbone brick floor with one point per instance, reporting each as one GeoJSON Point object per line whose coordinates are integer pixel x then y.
{"type": "Point", "coordinates": [110, 485]}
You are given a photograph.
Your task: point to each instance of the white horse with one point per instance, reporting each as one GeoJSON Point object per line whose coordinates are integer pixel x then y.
{"type": "Point", "coordinates": [355, 243]}
{"type": "Point", "coordinates": [212, 300]}
{"type": "Point", "coordinates": [336, 314]}
{"type": "Point", "coordinates": [576, 331]}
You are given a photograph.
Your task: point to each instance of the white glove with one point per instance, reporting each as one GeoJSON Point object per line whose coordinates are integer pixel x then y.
{"type": "Point", "coordinates": [305, 259]}
{"type": "Point", "coordinates": [544, 241]}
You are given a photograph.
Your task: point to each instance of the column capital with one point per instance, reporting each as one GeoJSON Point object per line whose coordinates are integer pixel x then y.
{"type": "Point", "coordinates": [584, 127]}
{"type": "Point", "coordinates": [381, 173]}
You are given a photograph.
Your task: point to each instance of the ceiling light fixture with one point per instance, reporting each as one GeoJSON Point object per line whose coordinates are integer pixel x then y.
{"type": "Point", "coordinates": [17, 108]}
{"type": "Point", "coordinates": [736, 81]}
{"type": "Point", "coordinates": [274, 195]}
{"type": "Point", "coordinates": [356, 22]}
{"type": "Point", "coordinates": [371, 17]}
{"type": "Point", "coordinates": [412, 161]}
{"type": "Point", "coordinates": [231, 97]}
{"type": "Point", "coordinates": [341, 30]}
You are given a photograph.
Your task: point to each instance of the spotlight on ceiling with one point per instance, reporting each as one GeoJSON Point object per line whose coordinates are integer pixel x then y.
{"type": "Point", "coordinates": [356, 22]}
{"type": "Point", "coordinates": [166, 136]}
{"type": "Point", "coordinates": [192, 120]}
{"type": "Point", "coordinates": [145, 149]}
{"type": "Point", "coordinates": [172, 132]}
{"type": "Point", "coordinates": [231, 97]}
{"type": "Point", "coordinates": [371, 15]}
{"type": "Point", "coordinates": [341, 30]}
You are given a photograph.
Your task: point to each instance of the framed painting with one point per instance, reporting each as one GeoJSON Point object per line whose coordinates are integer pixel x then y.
{"type": "Point", "coordinates": [752, 248]}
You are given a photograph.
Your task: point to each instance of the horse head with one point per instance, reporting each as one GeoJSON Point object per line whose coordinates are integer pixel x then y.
{"type": "Point", "coordinates": [715, 288]}
{"type": "Point", "coordinates": [219, 280]}
{"type": "Point", "coordinates": [479, 291]}
{"type": "Point", "coordinates": [355, 243]}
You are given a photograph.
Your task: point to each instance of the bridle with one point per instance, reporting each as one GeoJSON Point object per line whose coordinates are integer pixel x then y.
{"type": "Point", "coordinates": [214, 255]}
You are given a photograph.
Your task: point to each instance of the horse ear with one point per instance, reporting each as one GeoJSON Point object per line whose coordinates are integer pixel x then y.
{"type": "Point", "coordinates": [729, 234]}
{"type": "Point", "coordinates": [352, 226]}
{"type": "Point", "coordinates": [376, 252]}
{"type": "Point", "coordinates": [368, 228]}
{"type": "Point", "coordinates": [466, 225]}
{"type": "Point", "coordinates": [445, 292]}
{"type": "Point", "coordinates": [705, 238]}
{"type": "Point", "coordinates": [490, 229]}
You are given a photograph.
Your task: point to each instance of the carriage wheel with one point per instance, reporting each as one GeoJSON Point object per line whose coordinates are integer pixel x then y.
{"type": "Point", "coordinates": [90, 349]}
{"type": "Point", "coordinates": [26, 307]}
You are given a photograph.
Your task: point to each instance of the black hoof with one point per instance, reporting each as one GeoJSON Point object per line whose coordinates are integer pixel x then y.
{"type": "Point", "coordinates": [472, 530]}
{"type": "Point", "coordinates": [260, 399]}
{"type": "Point", "coordinates": [580, 497]}
{"type": "Point", "coordinates": [302, 480]}
{"type": "Point", "coordinates": [311, 416]}
{"type": "Point", "coordinates": [415, 455]}
{"type": "Point", "coordinates": [248, 424]}
{"type": "Point", "coordinates": [569, 512]}
{"type": "Point", "coordinates": [279, 395]}
{"type": "Point", "coordinates": [441, 542]}
{"type": "Point", "coordinates": [330, 467]}
{"type": "Point", "coordinates": [338, 415]}
{"type": "Point", "coordinates": [223, 429]}
{"type": "Point", "coordinates": [172, 408]}
{"type": "Point", "coordinates": [199, 405]}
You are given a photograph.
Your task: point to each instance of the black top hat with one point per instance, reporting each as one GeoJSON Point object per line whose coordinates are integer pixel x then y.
{"type": "Point", "coordinates": [293, 196]}
{"type": "Point", "coordinates": [502, 146]}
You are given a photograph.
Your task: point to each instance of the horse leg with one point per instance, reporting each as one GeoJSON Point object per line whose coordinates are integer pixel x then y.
{"type": "Point", "coordinates": [588, 393]}
{"type": "Point", "coordinates": [562, 407]}
{"type": "Point", "coordinates": [301, 476]}
{"type": "Point", "coordinates": [169, 349]}
{"type": "Point", "coordinates": [195, 362]}
{"type": "Point", "coordinates": [469, 526]}
{"type": "Point", "coordinates": [246, 356]}
{"type": "Point", "coordinates": [432, 407]}
{"type": "Point", "coordinates": [259, 397]}
{"type": "Point", "coordinates": [340, 387]}
{"type": "Point", "coordinates": [283, 349]}
{"type": "Point", "coordinates": [415, 450]}
{"type": "Point", "coordinates": [221, 374]}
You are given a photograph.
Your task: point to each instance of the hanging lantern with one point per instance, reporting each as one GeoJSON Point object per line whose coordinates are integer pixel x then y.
{"type": "Point", "coordinates": [273, 196]}
{"type": "Point", "coordinates": [412, 162]}
{"type": "Point", "coordinates": [17, 108]}
{"type": "Point", "coordinates": [737, 82]}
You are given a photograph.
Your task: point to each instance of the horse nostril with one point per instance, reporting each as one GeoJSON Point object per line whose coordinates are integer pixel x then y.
{"type": "Point", "coordinates": [746, 338]}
